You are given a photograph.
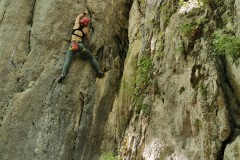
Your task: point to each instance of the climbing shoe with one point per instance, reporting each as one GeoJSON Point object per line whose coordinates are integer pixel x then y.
{"type": "Point", "coordinates": [100, 74]}
{"type": "Point", "coordinates": [61, 78]}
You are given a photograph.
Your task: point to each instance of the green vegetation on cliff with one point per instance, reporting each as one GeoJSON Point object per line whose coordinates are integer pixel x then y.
{"type": "Point", "coordinates": [226, 44]}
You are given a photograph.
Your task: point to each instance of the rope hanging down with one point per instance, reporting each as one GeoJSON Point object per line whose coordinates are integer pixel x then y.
{"type": "Point", "coordinates": [11, 61]}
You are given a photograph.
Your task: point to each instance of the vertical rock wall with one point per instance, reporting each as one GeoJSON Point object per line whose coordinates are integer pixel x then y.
{"type": "Point", "coordinates": [177, 100]}
{"type": "Point", "coordinates": [39, 118]}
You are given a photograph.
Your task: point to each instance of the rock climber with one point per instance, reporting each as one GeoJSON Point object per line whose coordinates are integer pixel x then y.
{"type": "Point", "coordinates": [80, 33]}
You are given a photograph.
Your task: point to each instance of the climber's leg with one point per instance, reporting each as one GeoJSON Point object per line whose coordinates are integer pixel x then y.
{"type": "Point", "coordinates": [66, 65]}
{"type": "Point", "coordinates": [87, 54]}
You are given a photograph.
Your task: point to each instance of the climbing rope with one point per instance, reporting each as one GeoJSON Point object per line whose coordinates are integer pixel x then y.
{"type": "Point", "coordinates": [11, 61]}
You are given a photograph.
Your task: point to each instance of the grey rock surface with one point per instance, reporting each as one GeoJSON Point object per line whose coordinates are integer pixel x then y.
{"type": "Point", "coordinates": [164, 96]}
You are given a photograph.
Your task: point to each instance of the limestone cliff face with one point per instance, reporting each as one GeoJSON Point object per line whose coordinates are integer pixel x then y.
{"type": "Point", "coordinates": [165, 95]}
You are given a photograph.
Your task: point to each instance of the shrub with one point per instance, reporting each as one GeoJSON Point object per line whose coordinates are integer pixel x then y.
{"type": "Point", "coordinates": [226, 44]}
{"type": "Point", "coordinates": [107, 156]}
{"type": "Point", "coordinates": [143, 74]}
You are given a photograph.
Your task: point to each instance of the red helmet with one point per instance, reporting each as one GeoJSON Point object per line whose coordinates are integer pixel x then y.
{"type": "Point", "coordinates": [85, 20]}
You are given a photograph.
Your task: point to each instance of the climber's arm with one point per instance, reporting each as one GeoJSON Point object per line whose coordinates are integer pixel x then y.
{"type": "Point", "coordinates": [79, 17]}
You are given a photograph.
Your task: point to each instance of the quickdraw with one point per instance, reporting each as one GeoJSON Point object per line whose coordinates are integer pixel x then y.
{"type": "Point", "coordinates": [11, 61]}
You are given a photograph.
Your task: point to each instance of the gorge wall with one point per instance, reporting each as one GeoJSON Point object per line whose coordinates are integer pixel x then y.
{"type": "Point", "coordinates": [171, 87]}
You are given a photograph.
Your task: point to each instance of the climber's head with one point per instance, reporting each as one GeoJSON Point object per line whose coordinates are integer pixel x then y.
{"type": "Point", "coordinates": [85, 21]}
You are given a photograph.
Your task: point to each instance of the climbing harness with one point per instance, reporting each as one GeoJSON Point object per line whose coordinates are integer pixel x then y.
{"type": "Point", "coordinates": [11, 61]}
